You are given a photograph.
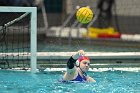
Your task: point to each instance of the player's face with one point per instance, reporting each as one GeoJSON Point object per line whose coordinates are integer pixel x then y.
{"type": "Point", "coordinates": [84, 65]}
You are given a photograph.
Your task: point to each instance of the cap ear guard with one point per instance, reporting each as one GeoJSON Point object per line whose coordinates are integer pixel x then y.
{"type": "Point", "coordinates": [77, 63]}
{"type": "Point", "coordinates": [80, 59]}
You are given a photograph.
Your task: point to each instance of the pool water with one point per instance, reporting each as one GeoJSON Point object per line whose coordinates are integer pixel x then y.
{"type": "Point", "coordinates": [48, 82]}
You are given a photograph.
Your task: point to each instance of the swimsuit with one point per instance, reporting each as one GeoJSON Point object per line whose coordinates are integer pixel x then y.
{"type": "Point", "coordinates": [79, 78]}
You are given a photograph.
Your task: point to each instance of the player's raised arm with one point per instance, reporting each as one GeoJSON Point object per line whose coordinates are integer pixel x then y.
{"type": "Point", "coordinates": [71, 65]}
{"type": "Point", "coordinates": [72, 60]}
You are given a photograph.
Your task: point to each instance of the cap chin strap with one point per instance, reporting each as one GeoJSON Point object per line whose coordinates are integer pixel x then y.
{"type": "Point", "coordinates": [78, 65]}
{"type": "Point", "coordinates": [84, 73]}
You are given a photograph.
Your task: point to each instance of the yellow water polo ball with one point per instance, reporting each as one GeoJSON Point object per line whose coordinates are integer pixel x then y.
{"type": "Point", "coordinates": [84, 15]}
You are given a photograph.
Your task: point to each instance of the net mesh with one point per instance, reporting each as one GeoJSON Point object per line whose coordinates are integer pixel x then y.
{"type": "Point", "coordinates": [14, 40]}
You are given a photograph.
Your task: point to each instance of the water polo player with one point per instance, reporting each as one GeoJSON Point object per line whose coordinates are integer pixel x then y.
{"type": "Point", "coordinates": [77, 66]}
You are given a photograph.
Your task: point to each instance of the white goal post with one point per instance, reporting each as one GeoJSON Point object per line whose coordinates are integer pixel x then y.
{"type": "Point", "coordinates": [33, 32]}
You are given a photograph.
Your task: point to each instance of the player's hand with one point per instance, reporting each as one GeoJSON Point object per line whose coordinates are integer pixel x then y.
{"type": "Point", "coordinates": [79, 53]}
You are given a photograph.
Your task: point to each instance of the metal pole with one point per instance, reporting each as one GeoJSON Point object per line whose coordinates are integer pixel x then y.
{"type": "Point", "coordinates": [66, 22]}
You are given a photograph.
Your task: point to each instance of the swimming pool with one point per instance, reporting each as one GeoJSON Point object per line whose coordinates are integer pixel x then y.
{"type": "Point", "coordinates": [47, 82]}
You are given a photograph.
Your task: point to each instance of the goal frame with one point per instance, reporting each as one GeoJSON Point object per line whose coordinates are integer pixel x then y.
{"type": "Point", "coordinates": [33, 32]}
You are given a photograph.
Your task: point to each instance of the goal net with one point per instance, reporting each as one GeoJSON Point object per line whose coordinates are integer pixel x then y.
{"type": "Point", "coordinates": [18, 38]}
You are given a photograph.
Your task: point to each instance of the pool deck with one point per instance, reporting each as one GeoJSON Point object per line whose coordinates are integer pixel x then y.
{"type": "Point", "coordinates": [98, 59]}
{"type": "Point", "coordinates": [66, 55]}
{"type": "Point", "coordinates": [92, 55]}
{"type": "Point", "coordinates": [50, 61]}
